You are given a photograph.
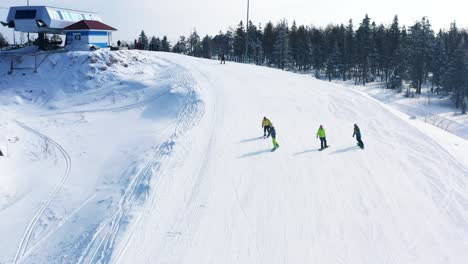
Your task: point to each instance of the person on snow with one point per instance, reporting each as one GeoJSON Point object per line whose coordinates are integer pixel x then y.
{"type": "Point", "coordinates": [357, 133]}
{"type": "Point", "coordinates": [1, 153]}
{"type": "Point", "coordinates": [223, 59]}
{"type": "Point", "coordinates": [273, 137]}
{"type": "Point", "coordinates": [323, 138]}
{"type": "Point", "coordinates": [266, 125]}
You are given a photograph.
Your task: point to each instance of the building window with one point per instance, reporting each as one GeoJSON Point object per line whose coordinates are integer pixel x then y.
{"type": "Point", "coordinates": [25, 14]}
{"type": "Point", "coordinates": [77, 36]}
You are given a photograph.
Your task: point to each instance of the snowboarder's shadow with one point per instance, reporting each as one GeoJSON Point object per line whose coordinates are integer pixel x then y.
{"type": "Point", "coordinates": [304, 152]}
{"type": "Point", "coordinates": [344, 150]}
{"type": "Point", "coordinates": [250, 139]}
{"type": "Point", "coordinates": [256, 153]}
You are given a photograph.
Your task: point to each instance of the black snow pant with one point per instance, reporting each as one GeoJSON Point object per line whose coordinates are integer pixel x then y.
{"type": "Point", "coordinates": [359, 141]}
{"type": "Point", "coordinates": [1, 154]}
{"type": "Point", "coordinates": [265, 130]}
{"type": "Point", "coordinates": [323, 143]}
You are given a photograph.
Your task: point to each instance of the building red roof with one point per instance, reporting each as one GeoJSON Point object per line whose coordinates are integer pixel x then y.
{"type": "Point", "coordinates": [89, 24]}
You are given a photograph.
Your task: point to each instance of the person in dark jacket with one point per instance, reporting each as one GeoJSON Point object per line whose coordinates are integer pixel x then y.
{"type": "Point", "coordinates": [223, 59]}
{"type": "Point", "coordinates": [273, 137]}
{"type": "Point", "coordinates": [357, 133]}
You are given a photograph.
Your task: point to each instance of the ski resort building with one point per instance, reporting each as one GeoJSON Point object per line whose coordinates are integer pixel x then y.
{"type": "Point", "coordinates": [88, 34]}
{"type": "Point", "coordinates": [52, 20]}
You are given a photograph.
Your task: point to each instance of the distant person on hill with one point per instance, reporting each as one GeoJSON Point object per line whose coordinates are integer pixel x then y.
{"type": "Point", "coordinates": [464, 105]}
{"type": "Point", "coordinates": [223, 59]}
{"type": "Point", "coordinates": [273, 137]}
{"type": "Point", "coordinates": [266, 125]}
{"type": "Point", "coordinates": [1, 153]}
{"type": "Point", "coordinates": [357, 133]}
{"type": "Point", "coordinates": [323, 138]}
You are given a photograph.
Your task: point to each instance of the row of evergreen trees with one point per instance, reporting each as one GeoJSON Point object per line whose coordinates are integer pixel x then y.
{"type": "Point", "coordinates": [369, 52]}
{"type": "Point", "coordinates": [153, 44]}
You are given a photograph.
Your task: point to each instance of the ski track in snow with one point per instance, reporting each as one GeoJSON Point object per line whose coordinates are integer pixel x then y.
{"type": "Point", "coordinates": [23, 246]}
{"type": "Point", "coordinates": [101, 247]}
{"type": "Point", "coordinates": [193, 213]}
{"type": "Point", "coordinates": [59, 225]}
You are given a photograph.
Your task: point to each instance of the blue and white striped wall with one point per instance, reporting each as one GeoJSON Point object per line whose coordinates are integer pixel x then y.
{"type": "Point", "coordinates": [89, 37]}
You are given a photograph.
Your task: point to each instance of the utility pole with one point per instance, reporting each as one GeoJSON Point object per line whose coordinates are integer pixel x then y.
{"type": "Point", "coordinates": [247, 33]}
{"type": "Point", "coordinates": [28, 32]}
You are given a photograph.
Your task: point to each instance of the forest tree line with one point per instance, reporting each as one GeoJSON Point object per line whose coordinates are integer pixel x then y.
{"type": "Point", "coordinates": [368, 52]}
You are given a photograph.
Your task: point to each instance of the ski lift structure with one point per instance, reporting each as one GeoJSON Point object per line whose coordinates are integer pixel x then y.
{"type": "Point", "coordinates": [83, 30]}
{"type": "Point", "coordinates": [45, 20]}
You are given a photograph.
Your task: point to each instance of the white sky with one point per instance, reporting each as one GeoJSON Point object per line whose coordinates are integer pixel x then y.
{"type": "Point", "coordinates": [177, 17]}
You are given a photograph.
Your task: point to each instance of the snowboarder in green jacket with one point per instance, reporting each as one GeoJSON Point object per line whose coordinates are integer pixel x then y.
{"type": "Point", "coordinates": [323, 138]}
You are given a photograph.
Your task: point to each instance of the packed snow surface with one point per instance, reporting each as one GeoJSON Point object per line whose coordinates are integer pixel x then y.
{"type": "Point", "coordinates": [139, 157]}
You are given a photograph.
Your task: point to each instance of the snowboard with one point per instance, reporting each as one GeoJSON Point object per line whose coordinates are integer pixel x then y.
{"type": "Point", "coordinates": [324, 148]}
{"type": "Point", "coordinates": [274, 149]}
{"type": "Point", "coordinates": [361, 146]}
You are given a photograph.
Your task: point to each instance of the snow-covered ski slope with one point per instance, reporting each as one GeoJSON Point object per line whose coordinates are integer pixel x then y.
{"type": "Point", "coordinates": [135, 157]}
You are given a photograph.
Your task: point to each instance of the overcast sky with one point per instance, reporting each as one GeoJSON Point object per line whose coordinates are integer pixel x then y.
{"type": "Point", "coordinates": [176, 17]}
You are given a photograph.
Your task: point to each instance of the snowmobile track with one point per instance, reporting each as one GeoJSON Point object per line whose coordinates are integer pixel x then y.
{"type": "Point", "coordinates": [102, 245]}
{"type": "Point", "coordinates": [23, 246]}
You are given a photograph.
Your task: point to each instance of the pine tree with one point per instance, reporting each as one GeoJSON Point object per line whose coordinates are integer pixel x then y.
{"type": "Point", "coordinates": [455, 77]}
{"type": "Point", "coordinates": [393, 50]}
{"type": "Point", "coordinates": [268, 42]}
{"type": "Point", "coordinates": [194, 44]}
{"type": "Point", "coordinates": [255, 51]}
{"type": "Point", "coordinates": [3, 42]}
{"type": "Point", "coordinates": [143, 41]}
{"type": "Point", "coordinates": [294, 44]}
{"type": "Point", "coordinates": [281, 50]}
{"type": "Point", "coordinates": [155, 44]}
{"type": "Point", "coordinates": [380, 50]}
{"type": "Point", "coordinates": [180, 46]}
{"type": "Point", "coordinates": [439, 59]}
{"type": "Point", "coordinates": [318, 50]}
{"type": "Point", "coordinates": [239, 43]}
{"type": "Point", "coordinates": [303, 48]}
{"type": "Point", "coordinates": [349, 50]}
{"type": "Point", "coordinates": [364, 49]}
{"type": "Point", "coordinates": [206, 47]}
{"type": "Point", "coordinates": [165, 45]}
{"type": "Point", "coordinates": [334, 62]}
{"type": "Point", "coordinates": [420, 41]}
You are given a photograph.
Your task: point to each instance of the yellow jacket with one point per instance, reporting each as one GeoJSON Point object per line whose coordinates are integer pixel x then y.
{"type": "Point", "coordinates": [266, 122]}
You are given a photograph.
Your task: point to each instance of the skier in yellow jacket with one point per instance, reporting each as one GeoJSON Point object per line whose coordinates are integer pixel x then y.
{"type": "Point", "coordinates": [323, 138]}
{"type": "Point", "coordinates": [266, 125]}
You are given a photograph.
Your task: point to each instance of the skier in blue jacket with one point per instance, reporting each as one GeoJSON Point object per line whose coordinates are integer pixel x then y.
{"type": "Point", "coordinates": [357, 133]}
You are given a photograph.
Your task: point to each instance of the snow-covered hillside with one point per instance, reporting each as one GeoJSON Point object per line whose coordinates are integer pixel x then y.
{"type": "Point", "coordinates": [136, 157]}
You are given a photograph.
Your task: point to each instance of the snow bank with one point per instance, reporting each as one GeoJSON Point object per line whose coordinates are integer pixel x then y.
{"type": "Point", "coordinates": [88, 132]}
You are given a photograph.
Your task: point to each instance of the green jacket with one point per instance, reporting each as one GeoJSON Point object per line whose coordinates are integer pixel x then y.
{"type": "Point", "coordinates": [321, 133]}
